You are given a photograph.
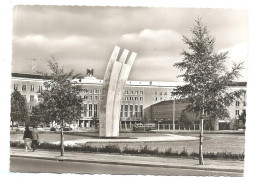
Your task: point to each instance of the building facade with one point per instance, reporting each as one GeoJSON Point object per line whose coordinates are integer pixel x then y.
{"type": "Point", "coordinates": [139, 101]}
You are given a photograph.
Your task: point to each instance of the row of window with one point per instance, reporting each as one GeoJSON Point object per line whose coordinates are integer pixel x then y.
{"type": "Point", "coordinates": [88, 110]}
{"type": "Point", "coordinates": [91, 91]}
{"type": "Point", "coordinates": [160, 93]}
{"type": "Point", "coordinates": [24, 88]}
{"type": "Point", "coordinates": [32, 98]}
{"type": "Point", "coordinates": [132, 92]}
{"type": "Point", "coordinates": [131, 111]}
{"type": "Point", "coordinates": [238, 103]}
{"type": "Point", "coordinates": [134, 98]}
{"type": "Point", "coordinates": [90, 97]}
{"type": "Point", "coordinates": [157, 99]}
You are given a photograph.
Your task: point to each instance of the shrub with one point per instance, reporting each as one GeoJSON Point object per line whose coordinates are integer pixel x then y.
{"type": "Point", "coordinates": [142, 150]}
{"type": "Point", "coordinates": [110, 149]}
{"type": "Point", "coordinates": [127, 150]}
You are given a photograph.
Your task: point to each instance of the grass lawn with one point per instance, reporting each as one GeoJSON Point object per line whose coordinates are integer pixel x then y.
{"type": "Point", "coordinates": [212, 142]}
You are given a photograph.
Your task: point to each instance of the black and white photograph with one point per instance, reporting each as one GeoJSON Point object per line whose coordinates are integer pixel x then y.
{"type": "Point", "coordinates": [128, 90]}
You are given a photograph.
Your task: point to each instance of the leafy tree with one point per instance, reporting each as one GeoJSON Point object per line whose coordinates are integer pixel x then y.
{"type": "Point", "coordinates": [61, 99]}
{"type": "Point", "coordinates": [206, 75]}
{"type": "Point", "coordinates": [242, 117]}
{"type": "Point", "coordinates": [19, 110]}
{"type": "Point", "coordinates": [40, 116]}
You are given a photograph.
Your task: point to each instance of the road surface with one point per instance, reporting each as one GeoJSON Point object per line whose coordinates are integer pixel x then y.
{"type": "Point", "coordinates": [29, 165]}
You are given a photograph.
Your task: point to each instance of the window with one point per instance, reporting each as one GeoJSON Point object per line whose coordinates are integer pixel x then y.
{"type": "Point", "coordinates": [90, 110]}
{"type": "Point", "coordinates": [90, 91]}
{"type": "Point", "coordinates": [126, 92]}
{"type": "Point", "coordinates": [237, 103]}
{"type": "Point", "coordinates": [237, 112]}
{"type": "Point", "coordinates": [141, 98]}
{"type": "Point", "coordinates": [40, 88]}
{"type": "Point", "coordinates": [136, 110]}
{"type": "Point", "coordinates": [126, 98]}
{"type": "Point", "coordinates": [165, 93]}
{"type": "Point", "coordinates": [85, 109]}
{"type": "Point", "coordinates": [91, 97]}
{"type": "Point", "coordinates": [132, 92]}
{"type": "Point", "coordinates": [32, 88]}
{"type": "Point", "coordinates": [15, 86]}
{"type": "Point", "coordinates": [155, 99]}
{"type": "Point", "coordinates": [160, 93]}
{"type": "Point", "coordinates": [86, 91]}
{"type": "Point", "coordinates": [130, 98]}
{"type": "Point", "coordinates": [136, 98]}
{"type": "Point", "coordinates": [136, 92]}
{"type": "Point", "coordinates": [85, 97]}
{"type": "Point", "coordinates": [141, 111]}
{"type": "Point", "coordinates": [121, 111]}
{"type": "Point", "coordinates": [244, 103]}
{"type": "Point", "coordinates": [131, 110]}
{"type": "Point", "coordinates": [126, 111]}
{"type": "Point", "coordinates": [31, 97]}
{"type": "Point", "coordinates": [39, 98]}
{"type": "Point", "coordinates": [95, 91]}
{"type": "Point", "coordinates": [141, 92]}
{"type": "Point", "coordinates": [95, 110]}
{"type": "Point", "coordinates": [96, 97]}
{"type": "Point", "coordinates": [24, 88]}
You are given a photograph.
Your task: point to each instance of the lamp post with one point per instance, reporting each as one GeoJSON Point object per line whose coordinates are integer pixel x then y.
{"type": "Point", "coordinates": [174, 110]}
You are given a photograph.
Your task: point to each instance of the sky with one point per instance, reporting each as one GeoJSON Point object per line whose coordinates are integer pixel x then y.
{"type": "Point", "coordinates": [83, 37]}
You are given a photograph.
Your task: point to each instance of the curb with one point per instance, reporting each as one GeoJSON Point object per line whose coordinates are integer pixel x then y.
{"type": "Point", "coordinates": [131, 164]}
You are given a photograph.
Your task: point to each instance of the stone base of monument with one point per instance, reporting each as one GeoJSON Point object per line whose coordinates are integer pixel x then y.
{"type": "Point", "coordinates": [118, 137]}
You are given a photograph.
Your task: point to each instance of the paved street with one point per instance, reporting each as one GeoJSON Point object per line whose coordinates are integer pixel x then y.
{"type": "Point", "coordinates": [18, 164]}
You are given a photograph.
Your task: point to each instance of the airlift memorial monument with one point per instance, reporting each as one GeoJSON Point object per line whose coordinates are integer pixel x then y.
{"type": "Point", "coordinates": [115, 78]}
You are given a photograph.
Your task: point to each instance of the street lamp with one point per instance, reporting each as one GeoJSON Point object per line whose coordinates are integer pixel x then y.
{"type": "Point", "coordinates": [174, 109]}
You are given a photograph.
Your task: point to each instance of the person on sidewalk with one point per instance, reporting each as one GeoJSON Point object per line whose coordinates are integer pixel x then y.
{"type": "Point", "coordinates": [35, 138]}
{"type": "Point", "coordinates": [27, 136]}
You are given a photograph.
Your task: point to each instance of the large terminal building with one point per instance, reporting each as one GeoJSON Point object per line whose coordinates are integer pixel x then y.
{"type": "Point", "coordinates": [141, 100]}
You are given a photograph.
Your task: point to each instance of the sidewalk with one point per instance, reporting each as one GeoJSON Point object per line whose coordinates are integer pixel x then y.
{"type": "Point", "coordinates": [212, 165]}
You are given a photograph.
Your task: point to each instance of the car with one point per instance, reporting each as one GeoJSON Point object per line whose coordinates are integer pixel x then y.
{"type": "Point", "coordinates": [67, 128]}
{"type": "Point", "coordinates": [52, 129]}
{"type": "Point", "coordinates": [146, 127]}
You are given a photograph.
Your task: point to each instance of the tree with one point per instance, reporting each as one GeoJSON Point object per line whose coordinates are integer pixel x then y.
{"type": "Point", "coordinates": [40, 116]}
{"type": "Point", "coordinates": [206, 77]}
{"type": "Point", "coordinates": [19, 110]}
{"type": "Point", "coordinates": [61, 99]}
{"type": "Point", "coordinates": [242, 117]}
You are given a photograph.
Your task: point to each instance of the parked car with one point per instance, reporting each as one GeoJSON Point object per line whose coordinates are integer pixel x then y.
{"type": "Point", "coordinates": [146, 127]}
{"type": "Point", "coordinates": [52, 129]}
{"type": "Point", "coordinates": [67, 128]}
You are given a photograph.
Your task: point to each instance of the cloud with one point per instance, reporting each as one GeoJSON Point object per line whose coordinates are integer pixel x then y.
{"type": "Point", "coordinates": [82, 37]}
{"type": "Point", "coordinates": [153, 42]}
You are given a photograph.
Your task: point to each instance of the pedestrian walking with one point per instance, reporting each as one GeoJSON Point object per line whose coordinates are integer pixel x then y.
{"type": "Point", "coordinates": [35, 138]}
{"type": "Point", "coordinates": [27, 137]}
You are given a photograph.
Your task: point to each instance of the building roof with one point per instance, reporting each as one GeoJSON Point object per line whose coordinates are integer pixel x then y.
{"type": "Point", "coordinates": [93, 80]}
{"type": "Point", "coordinates": [28, 75]}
